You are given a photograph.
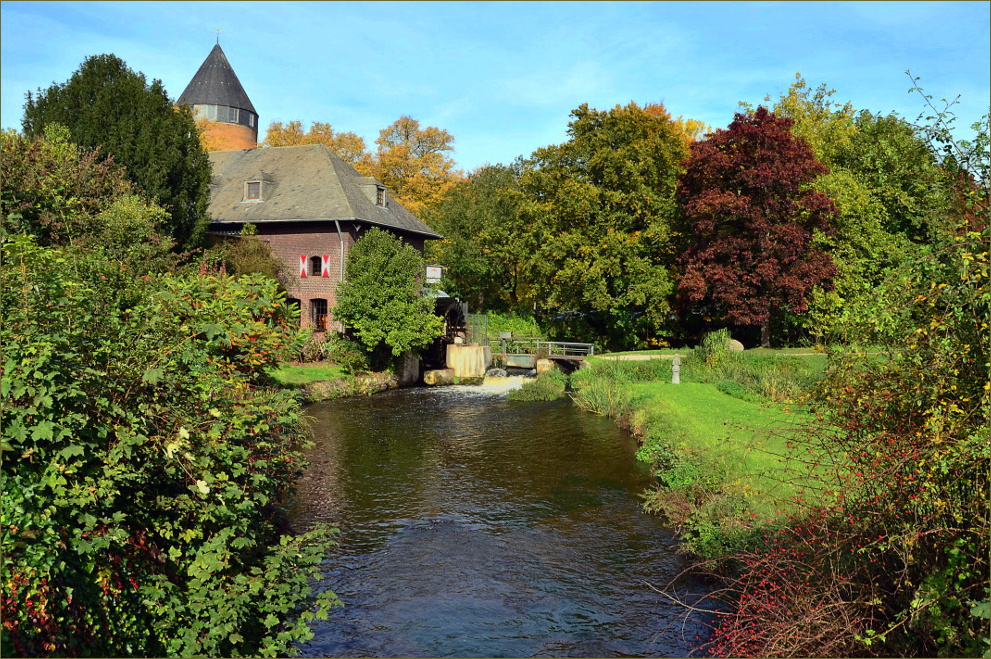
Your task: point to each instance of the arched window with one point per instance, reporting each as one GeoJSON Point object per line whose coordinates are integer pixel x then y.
{"type": "Point", "coordinates": [318, 313]}
{"type": "Point", "coordinates": [316, 265]}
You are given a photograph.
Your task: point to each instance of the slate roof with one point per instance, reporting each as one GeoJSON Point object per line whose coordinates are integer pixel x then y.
{"type": "Point", "coordinates": [216, 84]}
{"type": "Point", "coordinates": [301, 183]}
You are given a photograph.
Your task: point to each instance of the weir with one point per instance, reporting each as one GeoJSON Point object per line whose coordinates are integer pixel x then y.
{"type": "Point", "coordinates": [473, 361]}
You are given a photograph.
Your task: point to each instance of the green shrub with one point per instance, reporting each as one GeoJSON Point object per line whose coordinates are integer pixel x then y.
{"type": "Point", "coordinates": [549, 385]}
{"type": "Point", "coordinates": [314, 350]}
{"type": "Point", "coordinates": [517, 324]}
{"type": "Point", "coordinates": [146, 465]}
{"type": "Point", "coordinates": [347, 354]}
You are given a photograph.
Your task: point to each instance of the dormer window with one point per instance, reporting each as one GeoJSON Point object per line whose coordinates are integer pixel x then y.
{"type": "Point", "coordinates": [253, 191]}
{"type": "Point", "coordinates": [379, 195]}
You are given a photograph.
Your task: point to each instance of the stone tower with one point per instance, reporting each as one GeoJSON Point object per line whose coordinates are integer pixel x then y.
{"type": "Point", "coordinates": [215, 94]}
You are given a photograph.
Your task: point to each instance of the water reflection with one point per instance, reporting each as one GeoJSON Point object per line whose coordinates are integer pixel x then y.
{"type": "Point", "coordinates": [477, 527]}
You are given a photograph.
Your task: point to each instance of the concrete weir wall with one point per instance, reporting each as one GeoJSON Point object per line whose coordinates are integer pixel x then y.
{"type": "Point", "coordinates": [469, 361]}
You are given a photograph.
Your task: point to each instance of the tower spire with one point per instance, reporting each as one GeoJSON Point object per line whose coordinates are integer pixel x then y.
{"type": "Point", "coordinates": [215, 94]}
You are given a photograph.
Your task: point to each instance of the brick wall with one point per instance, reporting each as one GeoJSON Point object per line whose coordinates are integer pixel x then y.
{"type": "Point", "coordinates": [290, 240]}
{"type": "Point", "coordinates": [230, 137]}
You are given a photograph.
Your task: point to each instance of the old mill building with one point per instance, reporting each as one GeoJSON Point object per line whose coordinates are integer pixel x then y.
{"type": "Point", "coordinates": [306, 202]}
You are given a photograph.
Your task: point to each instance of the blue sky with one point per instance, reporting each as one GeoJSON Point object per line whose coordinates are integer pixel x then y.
{"type": "Point", "coordinates": [503, 77]}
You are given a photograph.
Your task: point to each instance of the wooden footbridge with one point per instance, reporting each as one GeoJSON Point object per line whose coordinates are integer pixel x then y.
{"type": "Point", "coordinates": [523, 352]}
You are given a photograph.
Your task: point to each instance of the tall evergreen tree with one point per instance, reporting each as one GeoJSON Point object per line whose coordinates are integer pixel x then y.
{"type": "Point", "coordinates": [107, 105]}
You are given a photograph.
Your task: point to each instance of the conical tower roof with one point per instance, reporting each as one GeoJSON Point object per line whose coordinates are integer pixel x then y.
{"type": "Point", "coordinates": [216, 84]}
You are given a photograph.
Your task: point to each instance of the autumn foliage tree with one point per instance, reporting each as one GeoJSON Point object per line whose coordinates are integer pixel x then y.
{"type": "Point", "coordinates": [415, 162]}
{"type": "Point", "coordinates": [753, 217]}
{"type": "Point", "coordinates": [349, 146]}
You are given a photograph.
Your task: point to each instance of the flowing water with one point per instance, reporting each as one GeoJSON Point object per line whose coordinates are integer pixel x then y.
{"type": "Point", "coordinates": [473, 526]}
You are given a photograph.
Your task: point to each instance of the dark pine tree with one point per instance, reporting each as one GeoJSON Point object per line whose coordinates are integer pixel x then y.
{"type": "Point", "coordinates": [752, 216]}
{"type": "Point", "coordinates": [107, 105]}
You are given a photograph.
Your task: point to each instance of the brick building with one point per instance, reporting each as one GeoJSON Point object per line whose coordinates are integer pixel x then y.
{"type": "Point", "coordinates": [306, 202]}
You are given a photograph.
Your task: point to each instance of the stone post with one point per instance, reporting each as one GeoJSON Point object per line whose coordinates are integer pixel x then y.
{"type": "Point", "coordinates": [676, 370]}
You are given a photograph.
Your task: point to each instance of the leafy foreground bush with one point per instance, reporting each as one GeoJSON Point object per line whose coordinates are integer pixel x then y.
{"type": "Point", "coordinates": [145, 464]}
{"type": "Point", "coordinates": [549, 385]}
{"type": "Point", "coordinates": [895, 563]}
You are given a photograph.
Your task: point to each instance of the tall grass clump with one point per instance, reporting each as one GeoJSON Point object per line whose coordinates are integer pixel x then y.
{"type": "Point", "coordinates": [549, 385]}
{"type": "Point", "coordinates": [603, 387]}
{"type": "Point", "coordinates": [751, 376]}
{"type": "Point", "coordinates": [713, 350]}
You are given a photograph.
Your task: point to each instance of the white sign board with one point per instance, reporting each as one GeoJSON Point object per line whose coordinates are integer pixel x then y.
{"type": "Point", "coordinates": [433, 274]}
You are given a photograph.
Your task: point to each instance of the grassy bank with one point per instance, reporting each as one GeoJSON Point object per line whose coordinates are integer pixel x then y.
{"type": "Point", "coordinates": [719, 441]}
{"type": "Point", "coordinates": [326, 381]}
{"type": "Point", "coordinates": [298, 375]}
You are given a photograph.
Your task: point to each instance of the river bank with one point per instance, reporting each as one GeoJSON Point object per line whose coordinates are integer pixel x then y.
{"type": "Point", "coordinates": [318, 381]}
{"type": "Point", "coordinates": [718, 442]}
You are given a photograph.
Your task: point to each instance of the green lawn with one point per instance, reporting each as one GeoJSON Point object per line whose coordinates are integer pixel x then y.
{"type": "Point", "coordinates": [742, 445]}
{"type": "Point", "coordinates": [728, 448]}
{"type": "Point", "coordinates": [296, 375]}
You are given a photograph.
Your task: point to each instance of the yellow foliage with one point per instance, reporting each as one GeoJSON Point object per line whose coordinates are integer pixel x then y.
{"type": "Point", "coordinates": [349, 146]}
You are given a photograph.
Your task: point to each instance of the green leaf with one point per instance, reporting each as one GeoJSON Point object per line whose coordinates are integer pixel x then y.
{"type": "Point", "coordinates": [152, 376]}
{"type": "Point", "coordinates": [72, 450]}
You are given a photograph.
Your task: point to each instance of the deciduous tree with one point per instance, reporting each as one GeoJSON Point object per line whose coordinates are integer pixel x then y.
{"type": "Point", "coordinates": [62, 196]}
{"type": "Point", "coordinates": [602, 206]}
{"type": "Point", "coordinates": [108, 106]}
{"type": "Point", "coordinates": [889, 191]}
{"type": "Point", "coordinates": [746, 193]}
{"type": "Point", "coordinates": [348, 146]}
{"type": "Point", "coordinates": [415, 162]}
{"type": "Point", "coordinates": [380, 301]}
{"type": "Point", "coordinates": [488, 245]}
{"type": "Point", "coordinates": [53, 191]}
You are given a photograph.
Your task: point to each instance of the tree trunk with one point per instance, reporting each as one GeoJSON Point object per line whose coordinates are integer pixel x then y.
{"type": "Point", "coordinates": [765, 334]}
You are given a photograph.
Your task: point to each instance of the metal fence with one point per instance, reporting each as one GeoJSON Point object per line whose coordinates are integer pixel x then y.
{"type": "Point", "coordinates": [478, 329]}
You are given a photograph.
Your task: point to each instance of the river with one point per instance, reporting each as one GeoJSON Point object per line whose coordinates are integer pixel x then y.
{"type": "Point", "coordinates": [473, 526]}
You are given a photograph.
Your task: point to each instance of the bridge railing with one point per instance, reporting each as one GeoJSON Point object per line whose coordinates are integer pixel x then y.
{"type": "Point", "coordinates": [527, 345]}
{"type": "Point", "coordinates": [566, 349]}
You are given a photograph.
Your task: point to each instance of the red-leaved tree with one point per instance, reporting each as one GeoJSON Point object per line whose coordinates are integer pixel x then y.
{"type": "Point", "coordinates": [746, 197]}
